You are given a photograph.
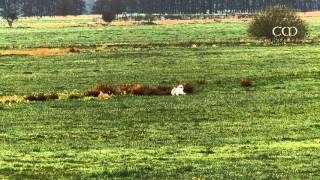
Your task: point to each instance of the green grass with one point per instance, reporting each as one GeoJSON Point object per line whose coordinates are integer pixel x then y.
{"type": "Point", "coordinates": [268, 131]}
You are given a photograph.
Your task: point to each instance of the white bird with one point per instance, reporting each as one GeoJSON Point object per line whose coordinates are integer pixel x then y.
{"type": "Point", "coordinates": [178, 91]}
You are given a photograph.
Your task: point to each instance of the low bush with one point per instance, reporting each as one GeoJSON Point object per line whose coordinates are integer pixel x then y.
{"type": "Point", "coordinates": [264, 22]}
{"type": "Point", "coordinates": [108, 16]}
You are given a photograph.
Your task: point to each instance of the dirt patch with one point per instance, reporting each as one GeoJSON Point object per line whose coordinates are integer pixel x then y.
{"type": "Point", "coordinates": [40, 51]}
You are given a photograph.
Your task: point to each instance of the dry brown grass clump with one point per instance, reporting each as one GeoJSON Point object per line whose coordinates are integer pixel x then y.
{"type": "Point", "coordinates": [74, 50]}
{"type": "Point", "coordinates": [202, 81]}
{"type": "Point", "coordinates": [8, 99]}
{"type": "Point", "coordinates": [74, 96]}
{"type": "Point", "coordinates": [103, 95]}
{"type": "Point", "coordinates": [34, 52]}
{"type": "Point", "coordinates": [188, 88]}
{"type": "Point", "coordinates": [114, 49]}
{"type": "Point", "coordinates": [100, 48]}
{"type": "Point", "coordinates": [41, 97]}
{"type": "Point", "coordinates": [162, 90]}
{"type": "Point", "coordinates": [100, 89]}
{"type": "Point", "coordinates": [142, 90]}
{"type": "Point", "coordinates": [246, 83]}
{"type": "Point", "coordinates": [91, 93]}
{"type": "Point", "coordinates": [106, 88]}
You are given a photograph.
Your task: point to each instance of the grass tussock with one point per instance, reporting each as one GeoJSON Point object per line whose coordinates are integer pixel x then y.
{"type": "Point", "coordinates": [74, 50]}
{"type": "Point", "coordinates": [188, 88]}
{"type": "Point", "coordinates": [91, 93]}
{"type": "Point", "coordinates": [246, 83]}
{"type": "Point", "coordinates": [143, 90]}
{"type": "Point", "coordinates": [9, 99]}
{"type": "Point", "coordinates": [34, 52]}
{"type": "Point", "coordinates": [202, 81]}
{"type": "Point", "coordinates": [74, 96]}
{"type": "Point", "coordinates": [106, 88]}
{"type": "Point", "coordinates": [41, 97]}
{"type": "Point", "coordinates": [113, 49]}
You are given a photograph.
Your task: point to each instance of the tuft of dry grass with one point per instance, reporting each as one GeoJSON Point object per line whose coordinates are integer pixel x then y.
{"type": "Point", "coordinates": [114, 49]}
{"type": "Point", "coordinates": [100, 48]}
{"type": "Point", "coordinates": [74, 96]}
{"type": "Point", "coordinates": [202, 81]}
{"type": "Point", "coordinates": [34, 52]}
{"type": "Point", "coordinates": [246, 83]}
{"type": "Point", "coordinates": [91, 93]}
{"type": "Point", "coordinates": [74, 50]}
{"type": "Point", "coordinates": [142, 90]}
{"type": "Point", "coordinates": [52, 96]}
{"type": "Point", "coordinates": [106, 88]}
{"type": "Point", "coordinates": [188, 88]}
{"type": "Point", "coordinates": [103, 95]}
{"type": "Point", "coordinates": [41, 97]}
{"type": "Point", "coordinates": [9, 99]}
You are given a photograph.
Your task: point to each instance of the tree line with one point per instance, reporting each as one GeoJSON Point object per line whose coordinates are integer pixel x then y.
{"type": "Point", "coordinates": [76, 7]}
{"type": "Point", "coordinates": [42, 7]}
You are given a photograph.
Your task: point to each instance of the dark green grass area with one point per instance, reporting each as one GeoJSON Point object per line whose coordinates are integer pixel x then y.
{"type": "Point", "coordinates": [268, 131]}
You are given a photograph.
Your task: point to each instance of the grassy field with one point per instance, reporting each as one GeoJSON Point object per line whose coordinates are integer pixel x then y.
{"type": "Point", "coordinates": [268, 131]}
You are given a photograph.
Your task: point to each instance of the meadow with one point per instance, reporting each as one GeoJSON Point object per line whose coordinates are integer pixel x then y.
{"type": "Point", "coordinates": [223, 130]}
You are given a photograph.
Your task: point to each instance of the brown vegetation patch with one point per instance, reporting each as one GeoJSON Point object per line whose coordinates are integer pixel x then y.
{"type": "Point", "coordinates": [143, 90]}
{"type": "Point", "coordinates": [41, 97]}
{"type": "Point", "coordinates": [246, 83]}
{"type": "Point", "coordinates": [188, 88]}
{"type": "Point", "coordinates": [106, 88]}
{"type": "Point", "coordinates": [40, 51]}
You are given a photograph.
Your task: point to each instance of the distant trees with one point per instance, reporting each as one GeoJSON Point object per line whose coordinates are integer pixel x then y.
{"type": "Point", "coordinates": [108, 16]}
{"type": "Point", "coordinates": [110, 6]}
{"type": "Point", "coordinates": [213, 6]}
{"type": "Point", "coordinates": [75, 7]}
{"type": "Point", "coordinates": [42, 7]}
{"type": "Point", "coordinates": [69, 7]}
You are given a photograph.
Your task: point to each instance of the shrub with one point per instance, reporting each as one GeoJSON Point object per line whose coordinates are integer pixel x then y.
{"type": "Point", "coordinates": [246, 83]}
{"type": "Point", "coordinates": [263, 23]}
{"type": "Point", "coordinates": [108, 16]}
